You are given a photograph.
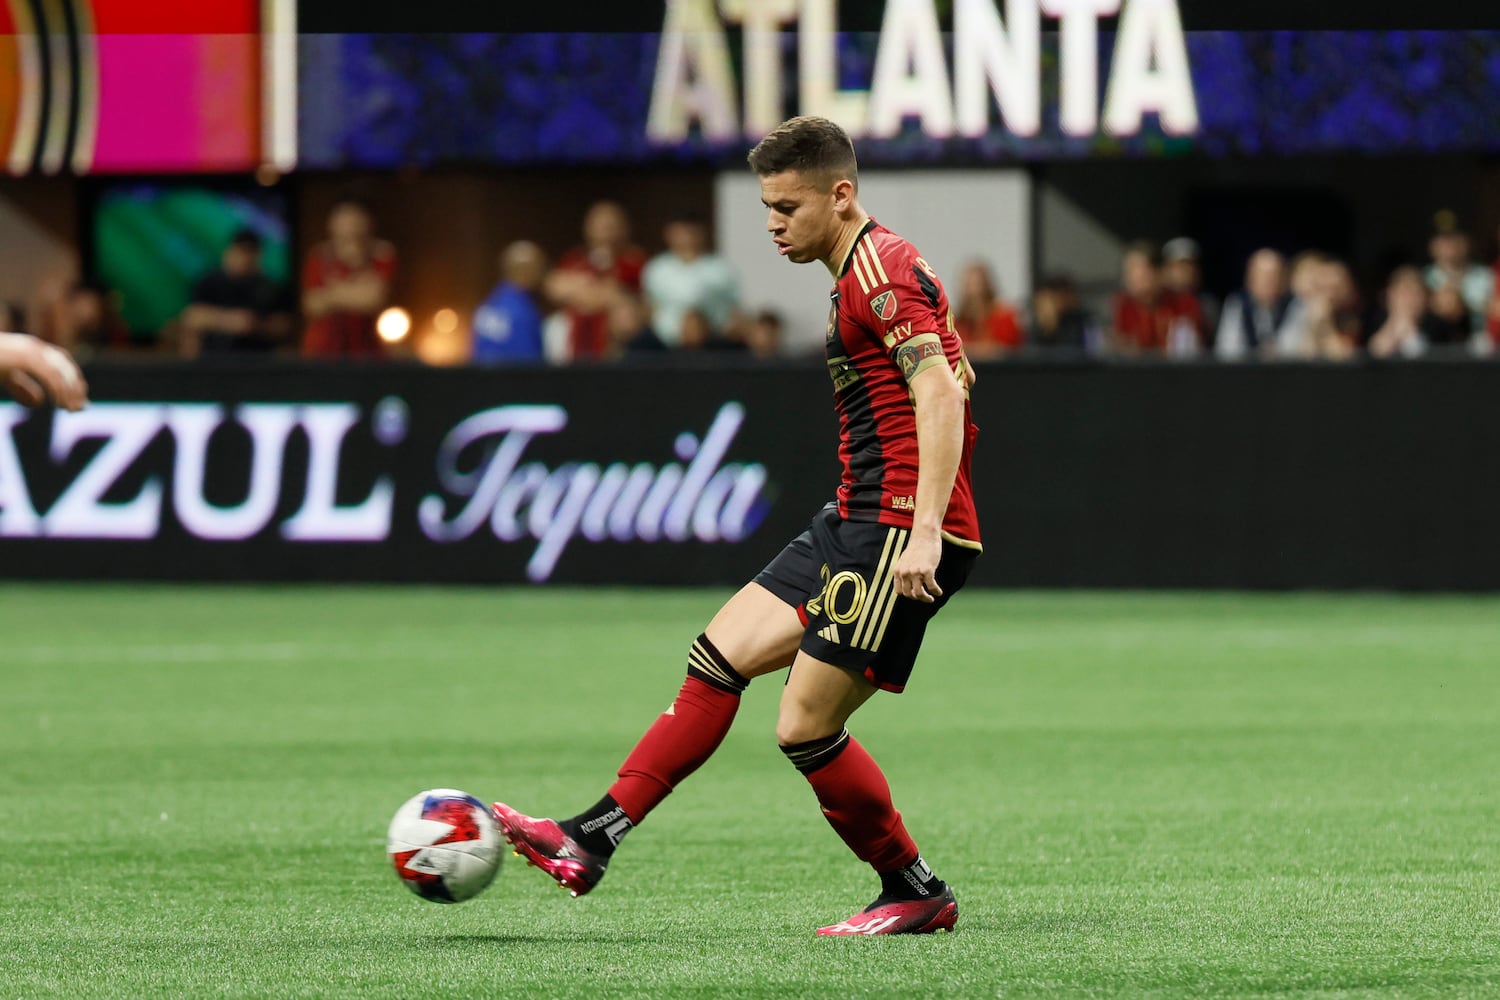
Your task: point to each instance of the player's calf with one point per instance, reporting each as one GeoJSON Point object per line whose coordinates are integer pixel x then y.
{"type": "Point", "coordinates": [576, 851]}
{"type": "Point", "coordinates": [682, 737]}
{"type": "Point", "coordinates": [856, 801]}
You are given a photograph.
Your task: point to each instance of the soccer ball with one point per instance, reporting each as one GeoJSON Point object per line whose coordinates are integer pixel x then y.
{"type": "Point", "coordinates": [445, 845]}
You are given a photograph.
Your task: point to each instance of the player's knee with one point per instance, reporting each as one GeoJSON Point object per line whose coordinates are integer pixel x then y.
{"type": "Point", "coordinates": [795, 726]}
{"type": "Point", "coordinates": [812, 753]}
{"type": "Point", "coordinates": [709, 665]}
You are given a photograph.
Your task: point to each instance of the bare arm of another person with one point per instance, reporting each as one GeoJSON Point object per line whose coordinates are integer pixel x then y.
{"type": "Point", "coordinates": [365, 292]}
{"type": "Point", "coordinates": [278, 325]}
{"type": "Point", "coordinates": [34, 371]}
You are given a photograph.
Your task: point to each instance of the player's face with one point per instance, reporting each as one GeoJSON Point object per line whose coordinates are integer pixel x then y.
{"type": "Point", "coordinates": [802, 219]}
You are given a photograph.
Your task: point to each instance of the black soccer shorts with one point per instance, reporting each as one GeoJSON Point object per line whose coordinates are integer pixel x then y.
{"type": "Point", "coordinates": [839, 575]}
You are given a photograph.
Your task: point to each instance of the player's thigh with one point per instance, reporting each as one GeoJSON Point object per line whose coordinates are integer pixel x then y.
{"type": "Point", "coordinates": [818, 699]}
{"type": "Point", "coordinates": [759, 629]}
{"type": "Point", "coordinates": [756, 631]}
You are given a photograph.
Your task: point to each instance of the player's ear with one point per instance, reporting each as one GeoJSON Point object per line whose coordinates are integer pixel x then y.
{"type": "Point", "coordinates": [843, 194]}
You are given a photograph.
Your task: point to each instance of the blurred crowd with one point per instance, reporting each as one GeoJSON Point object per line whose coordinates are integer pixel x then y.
{"type": "Point", "coordinates": [1309, 307]}
{"type": "Point", "coordinates": [608, 299]}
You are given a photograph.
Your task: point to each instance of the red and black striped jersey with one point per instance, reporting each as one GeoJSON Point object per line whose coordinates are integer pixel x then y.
{"type": "Point", "coordinates": [889, 321]}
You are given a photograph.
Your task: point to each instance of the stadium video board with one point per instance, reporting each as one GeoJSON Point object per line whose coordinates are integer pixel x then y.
{"type": "Point", "coordinates": [121, 86]}
{"type": "Point", "coordinates": [989, 82]}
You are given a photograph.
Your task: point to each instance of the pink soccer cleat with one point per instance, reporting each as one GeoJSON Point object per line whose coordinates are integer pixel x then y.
{"type": "Point", "coordinates": [544, 845]}
{"type": "Point", "coordinates": [916, 916]}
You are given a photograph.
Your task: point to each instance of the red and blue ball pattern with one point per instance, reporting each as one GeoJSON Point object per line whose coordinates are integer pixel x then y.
{"type": "Point", "coordinates": [444, 845]}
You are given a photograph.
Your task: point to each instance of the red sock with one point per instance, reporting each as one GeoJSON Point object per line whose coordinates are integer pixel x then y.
{"type": "Point", "coordinates": [856, 799]}
{"type": "Point", "coordinates": [678, 742]}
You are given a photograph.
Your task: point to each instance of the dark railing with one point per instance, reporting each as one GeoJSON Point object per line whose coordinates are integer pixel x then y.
{"type": "Point", "coordinates": [1088, 474]}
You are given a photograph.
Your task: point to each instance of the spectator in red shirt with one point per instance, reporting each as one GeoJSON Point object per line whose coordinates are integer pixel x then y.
{"type": "Point", "coordinates": [1149, 318]}
{"type": "Point", "coordinates": [346, 282]}
{"type": "Point", "coordinates": [589, 278]}
{"type": "Point", "coordinates": [986, 323]}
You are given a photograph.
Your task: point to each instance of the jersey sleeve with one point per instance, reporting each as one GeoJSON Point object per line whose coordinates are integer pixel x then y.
{"type": "Point", "coordinates": [902, 299]}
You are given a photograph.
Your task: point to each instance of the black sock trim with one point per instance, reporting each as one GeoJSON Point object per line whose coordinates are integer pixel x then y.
{"type": "Point", "coordinates": [915, 881]}
{"type": "Point", "coordinates": [706, 663]}
{"type": "Point", "coordinates": [599, 830]}
{"type": "Point", "coordinates": [808, 757]}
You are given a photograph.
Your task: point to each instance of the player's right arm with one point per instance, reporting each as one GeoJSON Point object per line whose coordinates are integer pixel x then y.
{"type": "Point", "coordinates": [913, 340]}
{"type": "Point", "coordinates": [34, 371]}
{"type": "Point", "coordinates": [939, 404]}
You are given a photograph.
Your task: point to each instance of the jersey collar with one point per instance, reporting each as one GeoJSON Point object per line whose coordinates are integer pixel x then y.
{"type": "Point", "coordinates": [849, 257]}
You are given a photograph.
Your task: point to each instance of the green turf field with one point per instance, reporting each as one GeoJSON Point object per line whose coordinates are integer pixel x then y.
{"type": "Point", "coordinates": [1134, 795]}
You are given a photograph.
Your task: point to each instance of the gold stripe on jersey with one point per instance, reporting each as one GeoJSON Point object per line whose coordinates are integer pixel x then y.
{"type": "Point", "coordinates": [961, 373]}
{"type": "Point", "coordinates": [887, 601]}
{"type": "Point", "coordinates": [876, 268]}
{"type": "Point", "coordinates": [857, 264]}
{"type": "Point", "coordinates": [862, 252]}
{"type": "Point", "coordinates": [884, 580]}
{"type": "Point", "coordinates": [700, 658]}
{"type": "Point", "coordinates": [950, 537]}
{"type": "Point", "coordinates": [862, 257]}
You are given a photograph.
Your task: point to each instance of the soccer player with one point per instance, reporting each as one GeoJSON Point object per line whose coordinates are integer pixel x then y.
{"type": "Point", "coordinates": [847, 601]}
{"type": "Point", "coordinates": [34, 371]}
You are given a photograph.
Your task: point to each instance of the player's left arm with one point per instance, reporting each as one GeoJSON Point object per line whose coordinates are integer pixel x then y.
{"type": "Point", "coordinates": [939, 401]}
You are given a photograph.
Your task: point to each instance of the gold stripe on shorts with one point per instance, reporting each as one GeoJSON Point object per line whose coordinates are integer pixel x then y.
{"type": "Point", "coordinates": [865, 623]}
{"type": "Point", "coordinates": [880, 612]}
{"type": "Point", "coordinates": [890, 603]}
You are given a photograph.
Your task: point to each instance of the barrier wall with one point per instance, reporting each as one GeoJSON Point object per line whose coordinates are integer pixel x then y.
{"type": "Point", "coordinates": [1179, 475]}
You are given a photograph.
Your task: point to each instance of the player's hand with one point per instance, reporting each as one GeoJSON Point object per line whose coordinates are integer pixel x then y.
{"type": "Point", "coordinates": [916, 570]}
{"type": "Point", "coordinates": [34, 371]}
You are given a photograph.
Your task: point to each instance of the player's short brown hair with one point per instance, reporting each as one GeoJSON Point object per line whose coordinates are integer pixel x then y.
{"type": "Point", "coordinates": [810, 145]}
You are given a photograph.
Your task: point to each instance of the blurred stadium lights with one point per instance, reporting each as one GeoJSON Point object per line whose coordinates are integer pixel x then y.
{"type": "Point", "coordinates": [393, 325]}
